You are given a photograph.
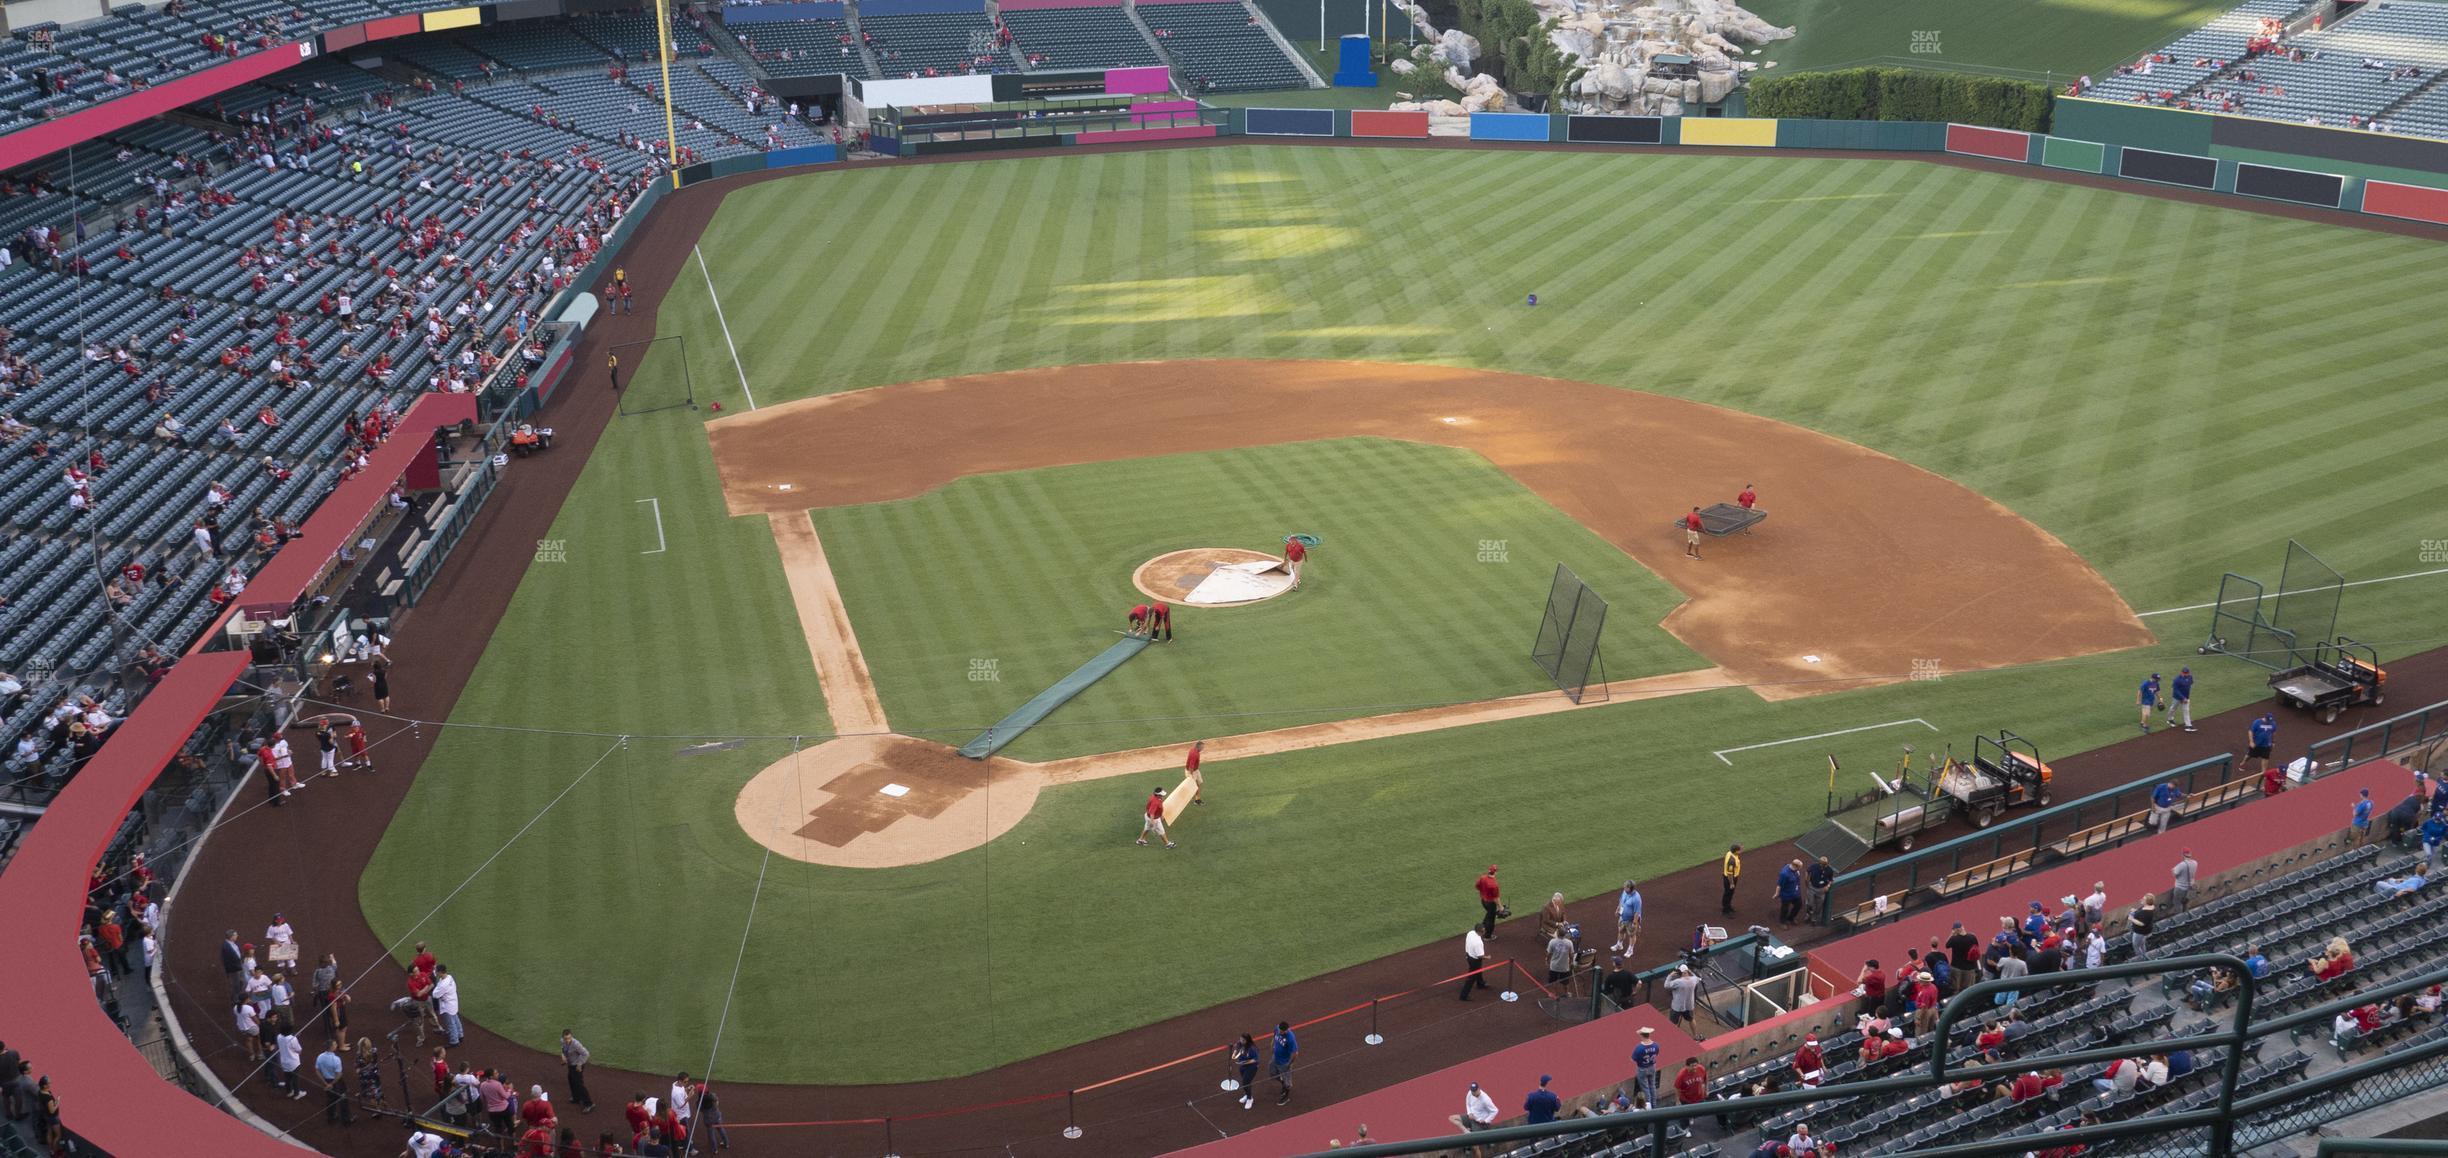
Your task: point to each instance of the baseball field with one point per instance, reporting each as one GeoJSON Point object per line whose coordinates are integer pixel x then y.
{"type": "Point", "coordinates": [2009, 432]}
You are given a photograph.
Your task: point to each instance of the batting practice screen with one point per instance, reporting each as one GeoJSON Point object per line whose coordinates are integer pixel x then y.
{"type": "Point", "coordinates": [653, 375]}
{"type": "Point", "coordinates": [1567, 644]}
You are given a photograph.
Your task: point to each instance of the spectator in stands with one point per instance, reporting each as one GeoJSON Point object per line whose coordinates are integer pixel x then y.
{"type": "Point", "coordinates": [1878, 1047]}
{"type": "Point", "coordinates": [2181, 880]}
{"type": "Point", "coordinates": [1691, 1086]}
{"type": "Point", "coordinates": [1871, 986]}
{"type": "Point", "coordinates": [170, 428]}
{"type": "Point", "coordinates": [2032, 1084]}
{"type": "Point", "coordinates": [2119, 1078]}
{"type": "Point", "coordinates": [2433, 834]}
{"type": "Point", "coordinates": [2335, 961]}
{"type": "Point", "coordinates": [2412, 880]}
{"type": "Point", "coordinates": [1478, 1109]}
{"type": "Point", "coordinates": [1542, 1105]}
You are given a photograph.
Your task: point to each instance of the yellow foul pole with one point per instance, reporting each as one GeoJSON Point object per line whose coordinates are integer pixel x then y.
{"type": "Point", "coordinates": [671, 129]}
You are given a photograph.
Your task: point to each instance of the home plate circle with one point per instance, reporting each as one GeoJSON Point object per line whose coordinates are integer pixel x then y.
{"type": "Point", "coordinates": [1213, 577]}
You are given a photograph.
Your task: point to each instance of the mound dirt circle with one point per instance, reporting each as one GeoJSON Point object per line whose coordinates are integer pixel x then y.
{"type": "Point", "coordinates": [1173, 575]}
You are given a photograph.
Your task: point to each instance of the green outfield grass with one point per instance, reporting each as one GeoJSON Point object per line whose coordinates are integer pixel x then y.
{"type": "Point", "coordinates": [2137, 376]}
{"type": "Point", "coordinates": [1429, 587]}
{"type": "Point", "coordinates": [2037, 39]}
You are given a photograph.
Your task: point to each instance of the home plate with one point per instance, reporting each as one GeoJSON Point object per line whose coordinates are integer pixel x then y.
{"type": "Point", "coordinates": [894, 790]}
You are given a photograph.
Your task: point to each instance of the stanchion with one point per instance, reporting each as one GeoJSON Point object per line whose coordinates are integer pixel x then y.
{"type": "Point", "coordinates": [1071, 1126]}
{"type": "Point", "coordinates": [888, 1145]}
{"type": "Point", "coordinates": [1513, 969]}
{"type": "Point", "coordinates": [1373, 1037]}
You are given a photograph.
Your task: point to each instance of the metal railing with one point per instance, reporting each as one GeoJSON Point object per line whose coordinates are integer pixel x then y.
{"type": "Point", "coordinates": [2376, 741]}
{"type": "Point", "coordinates": [2033, 833]}
{"type": "Point", "coordinates": [2217, 1122]}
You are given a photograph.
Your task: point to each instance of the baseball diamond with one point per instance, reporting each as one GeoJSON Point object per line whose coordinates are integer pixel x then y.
{"type": "Point", "coordinates": [1016, 567]}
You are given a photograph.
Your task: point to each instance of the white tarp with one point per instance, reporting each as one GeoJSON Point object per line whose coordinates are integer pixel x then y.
{"type": "Point", "coordinates": [1241, 583]}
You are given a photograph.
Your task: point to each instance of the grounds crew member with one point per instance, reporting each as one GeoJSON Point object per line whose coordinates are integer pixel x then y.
{"type": "Point", "coordinates": [612, 367]}
{"type": "Point", "coordinates": [1160, 618]}
{"type": "Point", "coordinates": [1154, 824]}
{"type": "Point", "coordinates": [1691, 534]}
{"type": "Point", "coordinates": [1295, 553]}
{"type": "Point", "coordinates": [1138, 618]}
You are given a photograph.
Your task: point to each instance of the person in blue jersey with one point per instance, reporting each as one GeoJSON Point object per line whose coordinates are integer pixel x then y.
{"type": "Point", "coordinates": [1286, 1047]}
{"type": "Point", "coordinates": [2149, 698]}
{"type": "Point", "coordinates": [2180, 699]}
{"type": "Point", "coordinates": [2260, 737]}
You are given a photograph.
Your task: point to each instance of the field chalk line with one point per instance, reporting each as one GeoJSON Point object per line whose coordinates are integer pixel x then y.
{"type": "Point", "coordinates": [726, 326]}
{"type": "Point", "coordinates": [657, 509]}
{"type": "Point", "coordinates": [1721, 752]}
{"type": "Point", "coordinates": [746, 927]}
{"type": "Point", "coordinates": [2356, 583]}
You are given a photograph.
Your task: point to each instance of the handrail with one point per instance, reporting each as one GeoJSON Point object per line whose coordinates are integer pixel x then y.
{"type": "Point", "coordinates": [2332, 754]}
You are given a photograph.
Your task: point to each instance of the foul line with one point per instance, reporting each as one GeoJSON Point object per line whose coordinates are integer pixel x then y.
{"type": "Point", "coordinates": [2356, 583]}
{"type": "Point", "coordinates": [1721, 752]}
{"type": "Point", "coordinates": [725, 1019]}
{"type": "Point", "coordinates": [657, 508]}
{"type": "Point", "coordinates": [726, 326]}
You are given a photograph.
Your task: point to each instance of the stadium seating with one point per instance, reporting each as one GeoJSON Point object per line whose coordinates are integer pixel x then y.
{"type": "Point", "coordinates": [1220, 48]}
{"type": "Point", "coordinates": [935, 44]}
{"type": "Point", "coordinates": [2382, 67]}
{"type": "Point", "coordinates": [2351, 73]}
{"type": "Point", "coordinates": [1078, 38]}
{"type": "Point", "coordinates": [804, 48]}
{"type": "Point", "coordinates": [177, 291]}
{"type": "Point", "coordinates": [2287, 917]}
{"type": "Point", "coordinates": [2195, 56]}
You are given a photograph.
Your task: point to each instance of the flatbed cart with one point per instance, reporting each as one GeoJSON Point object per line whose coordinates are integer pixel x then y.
{"type": "Point", "coordinates": [2342, 674]}
{"type": "Point", "coordinates": [1892, 813]}
{"type": "Point", "coordinates": [2003, 773]}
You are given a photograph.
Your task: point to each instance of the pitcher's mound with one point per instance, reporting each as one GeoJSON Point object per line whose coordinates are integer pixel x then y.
{"type": "Point", "coordinates": [1213, 577]}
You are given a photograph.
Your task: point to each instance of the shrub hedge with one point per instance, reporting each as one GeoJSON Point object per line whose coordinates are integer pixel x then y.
{"type": "Point", "coordinates": [1903, 94]}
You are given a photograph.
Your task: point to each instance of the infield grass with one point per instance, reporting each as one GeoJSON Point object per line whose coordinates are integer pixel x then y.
{"type": "Point", "coordinates": [2138, 377]}
{"type": "Point", "coordinates": [1427, 590]}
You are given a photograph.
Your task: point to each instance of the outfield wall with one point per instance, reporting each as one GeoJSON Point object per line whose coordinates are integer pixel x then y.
{"type": "Point", "coordinates": [2290, 164]}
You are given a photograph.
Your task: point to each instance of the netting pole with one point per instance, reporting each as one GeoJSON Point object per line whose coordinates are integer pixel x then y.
{"type": "Point", "coordinates": [1071, 1126]}
{"type": "Point", "coordinates": [888, 1141]}
{"type": "Point", "coordinates": [1374, 1037]}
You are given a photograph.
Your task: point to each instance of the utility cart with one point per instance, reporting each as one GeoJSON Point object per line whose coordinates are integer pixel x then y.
{"type": "Point", "coordinates": [2342, 674]}
{"type": "Point", "coordinates": [2003, 773]}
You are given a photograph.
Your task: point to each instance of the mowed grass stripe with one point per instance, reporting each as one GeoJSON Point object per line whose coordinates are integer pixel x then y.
{"type": "Point", "coordinates": [2164, 409]}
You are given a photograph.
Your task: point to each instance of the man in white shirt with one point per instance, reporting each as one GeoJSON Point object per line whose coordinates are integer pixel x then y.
{"type": "Point", "coordinates": [681, 1098]}
{"type": "Point", "coordinates": [2095, 906]}
{"type": "Point", "coordinates": [423, 1144]}
{"type": "Point", "coordinates": [286, 769]}
{"type": "Point", "coordinates": [446, 1004]}
{"type": "Point", "coordinates": [1474, 956]}
{"type": "Point", "coordinates": [1478, 1109]}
